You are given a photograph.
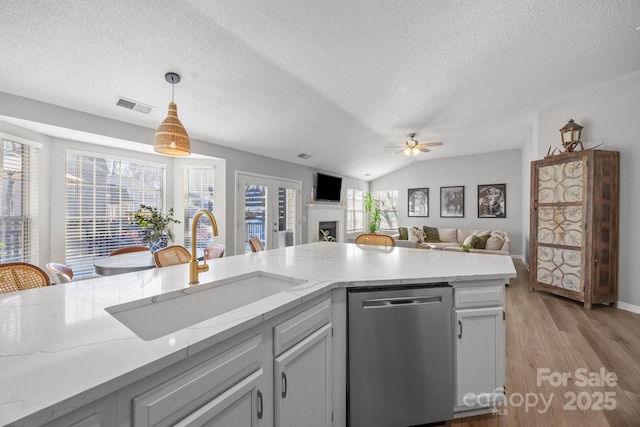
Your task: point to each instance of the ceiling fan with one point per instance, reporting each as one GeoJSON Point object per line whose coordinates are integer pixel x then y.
{"type": "Point", "coordinates": [413, 147]}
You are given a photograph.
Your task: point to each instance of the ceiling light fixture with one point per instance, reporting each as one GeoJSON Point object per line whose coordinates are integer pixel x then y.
{"type": "Point", "coordinates": [172, 138]}
{"type": "Point", "coordinates": [411, 146]}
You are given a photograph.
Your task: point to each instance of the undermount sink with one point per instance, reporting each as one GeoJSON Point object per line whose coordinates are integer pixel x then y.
{"type": "Point", "coordinates": [154, 317]}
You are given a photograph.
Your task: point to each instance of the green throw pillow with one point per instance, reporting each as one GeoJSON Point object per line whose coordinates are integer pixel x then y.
{"type": "Point", "coordinates": [481, 242]}
{"type": "Point", "coordinates": [431, 234]}
{"type": "Point", "coordinates": [404, 233]}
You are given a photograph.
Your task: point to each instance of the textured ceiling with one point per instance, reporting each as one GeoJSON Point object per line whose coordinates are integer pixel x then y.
{"type": "Point", "coordinates": [340, 80]}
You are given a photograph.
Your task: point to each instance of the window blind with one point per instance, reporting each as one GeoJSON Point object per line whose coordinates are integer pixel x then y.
{"type": "Point", "coordinates": [355, 209]}
{"type": "Point", "coordinates": [19, 202]}
{"type": "Point", "coordinates": [101, 194]}
{"type": "Point", "coordinates": [199, 190]}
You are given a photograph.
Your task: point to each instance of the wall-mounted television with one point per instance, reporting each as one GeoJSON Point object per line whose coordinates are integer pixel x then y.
{"type": "Point", "coordinates": [328, 187]}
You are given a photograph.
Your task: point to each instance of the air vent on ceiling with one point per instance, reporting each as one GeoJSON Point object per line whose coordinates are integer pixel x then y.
{"type": "Point", "coordinates": [134, 105]}
{"type": "Point", "coordinates": [304, 156]}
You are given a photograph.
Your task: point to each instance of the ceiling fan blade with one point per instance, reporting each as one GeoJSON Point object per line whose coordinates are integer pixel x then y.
{"type": "Point", "coordinates": [423, 149]}
{"type": "Point", "coordinates": [432, 144]}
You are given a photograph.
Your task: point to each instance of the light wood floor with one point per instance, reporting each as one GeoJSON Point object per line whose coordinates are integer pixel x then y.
{"type": "Point", "coordinates": [547, 331]}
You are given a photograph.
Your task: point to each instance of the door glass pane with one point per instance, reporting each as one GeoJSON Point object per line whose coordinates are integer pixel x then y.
{"type": "Point", "coordinates": [255, 214]}
{"type": "Point", "coordinates": [286, 216]}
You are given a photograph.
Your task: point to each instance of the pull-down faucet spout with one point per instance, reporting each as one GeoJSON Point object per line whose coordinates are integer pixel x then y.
{"type": "Point", "coordinates": [194, 268]}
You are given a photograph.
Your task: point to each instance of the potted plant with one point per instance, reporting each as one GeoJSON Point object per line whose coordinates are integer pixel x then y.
{"type": "Point", "coordinates": [326, 237]}
{"type": "Point", "coordinates": [154, 226]}
{"type": "Point", "coordinates": [374, 214]}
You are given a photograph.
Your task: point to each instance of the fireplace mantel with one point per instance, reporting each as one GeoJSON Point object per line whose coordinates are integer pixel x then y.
{"type": "Point", "coordinates": [318, 213]}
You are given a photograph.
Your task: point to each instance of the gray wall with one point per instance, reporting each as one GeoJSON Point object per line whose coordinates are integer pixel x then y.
{"type": "Point", "coordinates": [501, 167]}
{"type": "Point", "coordinates": [610, 116]}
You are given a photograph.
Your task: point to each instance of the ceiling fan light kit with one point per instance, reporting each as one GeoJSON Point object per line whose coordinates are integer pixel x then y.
{"type": "Point", "coordinates": [172, 138]}
{"type": "Point", "coordinates": [413, 147]}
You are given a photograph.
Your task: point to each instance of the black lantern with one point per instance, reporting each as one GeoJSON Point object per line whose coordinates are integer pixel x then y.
{"type": "Point", "coordinates": [570, 134]}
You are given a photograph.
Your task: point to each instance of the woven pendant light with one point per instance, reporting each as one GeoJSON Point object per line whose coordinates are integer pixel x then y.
{"type": "Point", "coordinates": [172, 138]}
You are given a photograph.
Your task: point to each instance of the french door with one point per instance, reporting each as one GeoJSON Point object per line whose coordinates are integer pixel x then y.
{"type": "Point", "coordinates": [267, 208]}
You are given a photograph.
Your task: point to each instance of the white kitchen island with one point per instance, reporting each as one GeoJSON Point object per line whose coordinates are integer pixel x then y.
{"type": "Point", "coordinates": [60, 350]}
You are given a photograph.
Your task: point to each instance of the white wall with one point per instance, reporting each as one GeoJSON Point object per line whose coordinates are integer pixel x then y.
{"type": "Point", "coordinates": [501, 167]}
{"type": "Point", "coordinates": [610, 116]}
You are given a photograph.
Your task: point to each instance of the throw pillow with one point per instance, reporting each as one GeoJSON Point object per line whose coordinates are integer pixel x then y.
{"type": "Point", "coordinates": [498, 233]}
{"type": "Point", "coordinates": [430, 234]}
{"type": "Point", "coordinates": [470, 241]}
{"type": "Point", "coordinates": [494, 243]}
{"type": "Point", "coordinates": [412, 234]}
{"type": "Point", "coordinates": [481, 242]}
{"type": "Point", "coordinates": [463, 233]}
{"type": "Point", "coordinates": [447, 234]}
{"type": "Point", "coordinates": [482, 233]}
{"type": "Point", "coordinates": [404, 233]}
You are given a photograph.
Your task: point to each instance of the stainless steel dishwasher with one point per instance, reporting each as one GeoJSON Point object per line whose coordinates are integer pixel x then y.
{"type": "Point", "coordinates": [400, 357]}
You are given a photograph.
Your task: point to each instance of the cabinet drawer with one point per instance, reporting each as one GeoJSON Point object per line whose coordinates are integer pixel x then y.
{"type": "Point", "coordinates": [290, 332]}
{"type": "Point", "coordinates": [479, 297]}
{"type": "Point", "coordinates": [179, 396]}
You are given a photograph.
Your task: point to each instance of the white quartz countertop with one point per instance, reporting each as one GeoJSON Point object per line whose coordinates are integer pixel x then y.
{"type": "Point", "coordinates": [58, 343]}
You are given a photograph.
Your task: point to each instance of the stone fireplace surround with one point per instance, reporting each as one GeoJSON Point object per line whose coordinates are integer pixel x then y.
{"type": "Point", "coordinates": [318, 213]}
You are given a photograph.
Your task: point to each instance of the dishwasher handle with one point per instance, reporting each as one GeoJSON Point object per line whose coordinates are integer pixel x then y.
{"type": "Point", "coordinates": [401, 301]}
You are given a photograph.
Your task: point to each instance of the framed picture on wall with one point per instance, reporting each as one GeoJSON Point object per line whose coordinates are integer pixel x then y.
{"type": "Point", "coordinates": [418, 202]}
{"type": "Point", "coordinates": [492, 201]}
{"type": "Point", "coordinates": [452, 202]}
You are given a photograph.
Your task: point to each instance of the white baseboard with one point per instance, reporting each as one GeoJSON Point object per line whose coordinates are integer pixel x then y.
{"type": "Point", "coordinates": [628, 307]}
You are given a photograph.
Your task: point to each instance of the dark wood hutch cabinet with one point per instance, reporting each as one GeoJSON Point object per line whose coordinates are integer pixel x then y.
{"type": "Point", "coordinates": [574, 226]}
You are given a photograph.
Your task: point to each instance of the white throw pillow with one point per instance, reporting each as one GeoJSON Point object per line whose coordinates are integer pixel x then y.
{"type": "Point", "coordinates": [498, 233]}
{"type": "Point", "coordinates": [412, 234]}
{"type": "Point", "coordinates": [470, 240]}
{"type": "Point", "coordinates": [447, 234]}
{"type": "Point", "coordinates": [463, 233]}
{"type": "Point", "coordinates": [494, 243]}
{"type": "Point", "coordinates": [482, 233]}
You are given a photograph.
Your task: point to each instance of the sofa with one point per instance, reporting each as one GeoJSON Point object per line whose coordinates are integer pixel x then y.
{"type": "Point", "coordinates": [452, 239]}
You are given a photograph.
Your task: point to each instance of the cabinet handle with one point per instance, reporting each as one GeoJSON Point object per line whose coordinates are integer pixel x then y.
{"type": "Point", "coordinates": [460, 324]}
{"type": "Point", "coordinates": [284, 385]}
{"type": "Point", "coordinates": [260, 403]}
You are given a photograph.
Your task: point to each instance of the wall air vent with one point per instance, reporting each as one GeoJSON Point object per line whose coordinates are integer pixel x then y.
{"type": "Point", "coordinates": [134, 105]}
{"type": "Point", "coordinates": [304, 156]}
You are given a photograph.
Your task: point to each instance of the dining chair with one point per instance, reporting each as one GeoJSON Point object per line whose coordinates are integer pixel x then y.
{"type": "Point", "coordinates": [18, 276]}
{"type": "Point", "coordinates": [256, 245]}
{"type": "Point", "coordinates": [171, 255]}
{"type": "Point", "coordinates": [214, 251]}
{"type": "Point", "coordinates": [127, 249]}
{"type": "Point", "coordinates": [375, 239]}
{"type": "Point", "coordinates": [63, 273]}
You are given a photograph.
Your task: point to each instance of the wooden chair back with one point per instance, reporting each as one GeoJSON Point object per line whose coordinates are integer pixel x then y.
{"type": "Point", "coordinates": [63, 273]}
{"type": "Point", "coordinates": [214, 251]}
{"type": "Point", "coordinates": [127, 249]}
{"type": "Point", "coordinates": [256, 245]}
{"type": "Point", "coordinates": [171, 255]}
{"type": "Point", "coordinates": [375, 239]}
{"type": "Point", "coordinates": [18, 276]}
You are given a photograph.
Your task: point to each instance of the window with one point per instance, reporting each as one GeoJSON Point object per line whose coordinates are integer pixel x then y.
{"type": "Point", "coordinates": [389, 207]}
{"type": "Point", "coordinates": [19, 202]}
{"type": "Point", "coordinates": [355, 209]}
{"type": "Point", "coordinates": [198, 195]}
{"type": "Point", "coordinates": [101, 192]}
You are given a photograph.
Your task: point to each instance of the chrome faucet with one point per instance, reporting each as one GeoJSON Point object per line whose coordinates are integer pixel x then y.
{"type": "Point", "coordinates": [194, 268]}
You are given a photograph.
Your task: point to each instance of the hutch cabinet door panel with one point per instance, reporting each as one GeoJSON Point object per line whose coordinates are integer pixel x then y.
{"type": "Point", "coordinates": [574, 225]}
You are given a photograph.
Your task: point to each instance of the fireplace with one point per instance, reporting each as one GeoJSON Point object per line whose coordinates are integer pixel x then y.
{"type": "Point", "coordinates": [330, 227]}
{"type": "Point", "coordinates": [326, 217]}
